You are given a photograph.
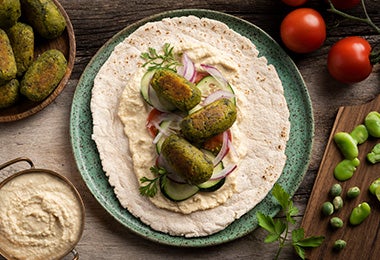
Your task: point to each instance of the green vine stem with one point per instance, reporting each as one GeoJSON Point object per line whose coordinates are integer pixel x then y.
{"type": "Point", "coordinates": [374, 56]}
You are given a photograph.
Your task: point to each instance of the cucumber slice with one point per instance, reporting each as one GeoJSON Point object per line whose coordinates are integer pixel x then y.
{"type": "Point", "coordinates": [178, 191]}
{"type": "Point", "coordinates": [211, 185]}
{"type": "Point", "coordinates": [144, 86]}
{"type": "Point", "coordinates": [209, 85]}
{"type": "Point", "coordinates": [150, 96]}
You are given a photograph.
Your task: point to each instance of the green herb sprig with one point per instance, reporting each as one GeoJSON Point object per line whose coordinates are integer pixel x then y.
{"type": "Point", "coordinates": [165, 60]}
{"type": "Point", "coordinates": [279, 229]}
{"type": "Point", "coordinates": [151, 185]}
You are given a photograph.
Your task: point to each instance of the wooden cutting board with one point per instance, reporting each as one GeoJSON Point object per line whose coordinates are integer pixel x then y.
{"type": "Point", "coordinates": [363, 241]}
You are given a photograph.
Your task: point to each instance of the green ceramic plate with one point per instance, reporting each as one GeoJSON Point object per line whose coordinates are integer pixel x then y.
{"type": "Point", "coordinates": [298, 147]}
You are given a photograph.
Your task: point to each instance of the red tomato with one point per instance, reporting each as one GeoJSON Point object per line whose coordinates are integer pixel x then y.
{"type": "Point", "coordinates": [294, 2]}
{"type": "Point", "coordinates": [214, 144]}
{"type": "Point", "coordinates": [153, 114]}
{"type": "Point", "coordinates": [199, 76]}
{"type": "Point", "coordinates": [344, 4]}
{"type": "Point", "coordinates": [348, 60]}
{"type": "Point", "coordinates": [303, 30]}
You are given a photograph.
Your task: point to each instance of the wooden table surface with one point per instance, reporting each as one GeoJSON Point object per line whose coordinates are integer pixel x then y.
{"type": "Point", "coordinates": [45, 139]}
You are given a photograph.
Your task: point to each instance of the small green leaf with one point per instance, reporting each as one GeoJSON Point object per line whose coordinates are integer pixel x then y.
{"type": "Point", "coordinates": [281, 196]}
{"type": "Point", "coordinates": [279, 227]}
{"type": "Point", "coordinates": [297, 235]}
{"type": "Point", "coordinates": [300, 251]}
{"type": "Point", "coordinates": [266, 222]}
{"type": "Point", "coordinates": [293, 211]}
{"type": "Point", "coordinates": [313, 241]}
{"type": "Point", "coordinates": [271, 238]}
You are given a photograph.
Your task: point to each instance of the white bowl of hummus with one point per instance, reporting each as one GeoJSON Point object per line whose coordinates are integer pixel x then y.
{"type": "Point", "coordinates": [42, 215]}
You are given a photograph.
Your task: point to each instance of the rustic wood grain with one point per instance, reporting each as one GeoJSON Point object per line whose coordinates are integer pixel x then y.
{"type": "Point", "coordinates": [44, 137]}
{"type": "Point", "coordinates": [362, 239]}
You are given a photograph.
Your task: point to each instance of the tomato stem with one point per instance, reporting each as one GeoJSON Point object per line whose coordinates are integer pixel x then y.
{"type": "Point", "coordinates": [366, 20]}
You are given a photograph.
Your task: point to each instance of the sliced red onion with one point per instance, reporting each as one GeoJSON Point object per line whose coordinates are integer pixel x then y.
{"type": "Point", "coordinates": [166, 131]}
{"type": "Point", "coordinates": [223, 173]}
{"type": "Point", "coordinates": [213, 71]}
{"type": "Point", "coordinates": [223, 150]}
{"type": "Point", "coordinates": [217, 95]}
{"type": "Point", "coordinates": [188, 70]}
{"type": "Point", "coordinates": [232, 149]}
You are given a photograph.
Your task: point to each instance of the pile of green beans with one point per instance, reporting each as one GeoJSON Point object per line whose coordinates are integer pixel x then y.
{"type": "Point", "coordinates": [348, 146]}
{"type": "Point", "coordinates": [347, 143]}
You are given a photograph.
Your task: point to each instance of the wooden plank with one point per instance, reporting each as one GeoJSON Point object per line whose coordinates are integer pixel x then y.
{"type": "Point", "coordinates": [362, 239]}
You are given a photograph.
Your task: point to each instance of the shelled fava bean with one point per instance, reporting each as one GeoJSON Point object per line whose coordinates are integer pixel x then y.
{"type": "Point", "coordinates": [335, 190]}
{"type": "Point", "coordinates": [353, 192]}
{"type": "Point", "coordinates": [339, 244]}
{"type": "Point", "coordinates": [327, 208]}
{"type": "Point", "coordinates": [336, 222]}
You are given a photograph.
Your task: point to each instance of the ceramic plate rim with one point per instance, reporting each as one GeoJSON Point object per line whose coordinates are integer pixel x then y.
{"type": "Point", "coordinates": [88, 161]}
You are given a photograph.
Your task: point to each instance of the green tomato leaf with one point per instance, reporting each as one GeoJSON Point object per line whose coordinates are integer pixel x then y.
{"type": "Point", "coordinates": [297, 235]}
{"type": "Point", "coordinates": [300, 251]}
{"type": "Point", "coordinates": [313, 241]}
{"type": "Point", "coordinates": [266, 222]}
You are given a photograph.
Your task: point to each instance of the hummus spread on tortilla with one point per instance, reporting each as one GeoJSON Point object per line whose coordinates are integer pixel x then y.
{"type": "Point", "coordinates": [259, 134]}
{"type": "Point", "coordinates": [40, 217]}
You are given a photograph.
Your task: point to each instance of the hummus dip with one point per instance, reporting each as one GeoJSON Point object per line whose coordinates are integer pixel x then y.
{"type": "Point", "coordinates": [259, 134]}
{"type": "Point", "coordinates": [41, 217]}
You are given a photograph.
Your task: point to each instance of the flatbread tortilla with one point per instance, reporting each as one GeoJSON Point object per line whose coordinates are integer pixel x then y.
{"type": "Point", "coordinates": [259, 134]}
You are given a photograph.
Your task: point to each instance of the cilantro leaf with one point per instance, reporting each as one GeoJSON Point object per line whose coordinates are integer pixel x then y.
{"type": "Point", "coordinates": [279, 229]}
{"type": "Point", "coordinates": [297, 235]}
{"type": "Point", "coordinates": [300, 251]}
{"type": "Point", "coordinates": [265, 222]}
{"type": "Point", "coordinates": [313, 241]}
{"type": "Point", "coordinates": [155, 60]}
{"type": "Point", "coordinates": [281, 196]}
{"type": "Point", "coordinates": [150, 188]}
